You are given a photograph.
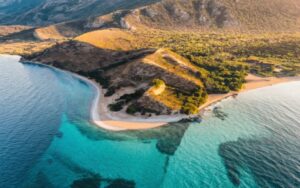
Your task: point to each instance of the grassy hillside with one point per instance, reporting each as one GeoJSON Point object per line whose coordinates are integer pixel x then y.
{"type": "Point", "coordinates": [161, 68]}
{"type": "Point", "coordinates": [281, 50]}
{"type": "Point", "coordinates": [113, 39]}
{"type": "Point", "coordinates": [7, 30]}
{"type": "Point", "coordinates": [117, 64]}
{"type": "Point", "coordinates": [24, 48]}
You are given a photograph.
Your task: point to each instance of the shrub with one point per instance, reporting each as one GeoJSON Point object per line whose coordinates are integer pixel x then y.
{"type": "Point", "coordinates": [115, 107]}
{"type": "Point", "coordinates": [192, 103]}
{"type": "Point", "coordinates": [158, 83]}
{"type": "Point", "coordinates": [132, 109]}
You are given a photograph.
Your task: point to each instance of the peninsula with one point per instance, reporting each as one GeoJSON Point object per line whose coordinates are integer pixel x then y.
{"type": "Point", "coordinates": [156, 62]}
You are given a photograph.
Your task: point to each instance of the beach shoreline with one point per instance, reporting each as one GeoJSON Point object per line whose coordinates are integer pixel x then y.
{"type": "Point", "coordinates": [120, 121]}
{"type": "Point", "coordinates": [102, 117]}
{"type": "Point", "coordinates": [116, 121]}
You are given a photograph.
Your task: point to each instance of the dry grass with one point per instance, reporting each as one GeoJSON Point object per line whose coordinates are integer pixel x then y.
{"type": "Point", "coordinates": [24, 48]}
{"type": "Point", "coordinates": [172, 64]}
{"type": "Point", "coordinates": [169, 99]}
{"type": "Point", "coordinates": [49, 32]}
{"type": "Point", "coordinates": [113, 39]}
{"type": "Point", "coordinates": [6, 30]}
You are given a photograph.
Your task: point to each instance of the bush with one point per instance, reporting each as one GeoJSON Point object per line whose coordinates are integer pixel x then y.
{"type": "Point", "coordinates": [132, 109]}
{"type": "Point", "coordinates": [125, 99]}
{"type": "Point", "coordinates": [158, 83]}
{"type": "Point", "coordinates": [194, 101]}
{"type": "Point", "coordinates": [116, 107]}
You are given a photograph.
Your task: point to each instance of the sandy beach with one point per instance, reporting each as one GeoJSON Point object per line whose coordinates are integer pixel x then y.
{"type": "Point", "coordinates": [252, 82]}
{"type": "Point", "coordinates": [118, 121]}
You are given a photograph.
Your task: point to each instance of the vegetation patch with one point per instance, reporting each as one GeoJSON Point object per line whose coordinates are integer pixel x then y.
{"type": "Point", "coordinates": [136, 108]}
{"type": "Point", "coordinates": [157, 83]}
{"type": "Point", "coordinates": [169, 98]}
{"type": "Point", "coordinates": [125, 99]}
{"type": "Point", "coordinates": [223, 59]}
{"type": "Point", "coordinates": [192, 102]}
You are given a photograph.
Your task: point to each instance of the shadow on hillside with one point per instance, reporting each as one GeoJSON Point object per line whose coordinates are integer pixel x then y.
{"type": "Point", "coordinates": [25, 35]}
{"type": "Point", "coordinates": [83, 58]}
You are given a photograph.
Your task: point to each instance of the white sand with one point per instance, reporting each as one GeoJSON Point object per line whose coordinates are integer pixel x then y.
{"type": "Point", "coordinates": [118, 121]}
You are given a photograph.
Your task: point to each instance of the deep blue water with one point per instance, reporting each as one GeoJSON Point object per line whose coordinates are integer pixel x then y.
{"type": "Point", "coordinates": [46, 140]}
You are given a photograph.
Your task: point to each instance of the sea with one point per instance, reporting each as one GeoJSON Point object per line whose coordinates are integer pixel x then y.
{"type": "Point", "coordinates": [48, 141]}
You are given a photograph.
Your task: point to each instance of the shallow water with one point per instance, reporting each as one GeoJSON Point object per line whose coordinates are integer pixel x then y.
{"type": "Point", "coordinates": [47, 141]}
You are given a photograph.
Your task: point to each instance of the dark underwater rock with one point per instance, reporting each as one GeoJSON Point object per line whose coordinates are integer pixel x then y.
{"type": "Point", "coordinates": [121, 183]}
{"type": "Point", "coordinates": [93, 182]}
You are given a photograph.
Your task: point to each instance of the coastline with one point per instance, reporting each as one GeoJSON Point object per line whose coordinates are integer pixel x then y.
{"type": "Point", "coordinates": [104, 118]}
{"type": "Point", "coordinates": [252, 82]}
{"type": "Point", "coordinates": [116, 121]}
{"type": "Point", "coordinates": [95, 117]}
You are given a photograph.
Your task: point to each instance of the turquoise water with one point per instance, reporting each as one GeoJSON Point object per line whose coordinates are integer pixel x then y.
{"type": "Point", "coordinates": [46, 140]}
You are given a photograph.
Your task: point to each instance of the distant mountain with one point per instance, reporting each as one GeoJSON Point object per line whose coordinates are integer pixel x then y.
{"type": "Point", "coordinates": [75, 17]}
{"type": "Point", "coordinates": [44, 12]}
{"type": "Point", "coordinates": [10, 9]}
{"type": "Point", "coordinates": [278, 15]}
{"type": "Point", "coordinates": [233, 14]}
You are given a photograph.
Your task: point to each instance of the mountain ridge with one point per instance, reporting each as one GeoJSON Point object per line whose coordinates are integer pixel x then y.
{"type": "Point", "coordinates": [195, 15]}
{"type": "Point", "coordinates": [246, 15]}
{"type": "Point", "coordinates": [45, 12]}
